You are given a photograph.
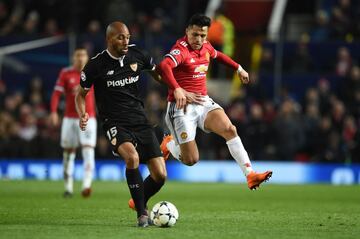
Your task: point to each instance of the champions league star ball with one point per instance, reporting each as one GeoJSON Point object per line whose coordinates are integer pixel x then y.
{"type": "Point", "coordinates": [164, 214]}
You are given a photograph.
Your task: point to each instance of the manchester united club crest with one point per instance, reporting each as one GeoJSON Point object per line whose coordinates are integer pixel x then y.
{"type": "Point", "coordinates": [207, 56]}
{"type": "Point", "coordinates": [183, 135]}
{"type": "Point", "coordinates": [133, 66]}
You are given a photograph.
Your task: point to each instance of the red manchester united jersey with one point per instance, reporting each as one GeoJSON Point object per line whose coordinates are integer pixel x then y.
{"type": "Point", "coordinates": [191, 66]}
{"type": "Point", "coordinates": [68, 83]}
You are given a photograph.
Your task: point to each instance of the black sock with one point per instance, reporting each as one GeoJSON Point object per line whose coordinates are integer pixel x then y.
{"type": "Point", "coordinates": [136, 187]}
{"type": "Point", "coordinates": [150, 188]}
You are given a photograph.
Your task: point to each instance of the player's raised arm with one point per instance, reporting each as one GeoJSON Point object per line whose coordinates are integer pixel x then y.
{"type": "Point", "coordinates": [81, 107]}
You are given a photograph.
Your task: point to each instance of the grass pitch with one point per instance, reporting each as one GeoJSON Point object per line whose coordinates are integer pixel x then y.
{"type": "Point", "coordinates": [36, 209]}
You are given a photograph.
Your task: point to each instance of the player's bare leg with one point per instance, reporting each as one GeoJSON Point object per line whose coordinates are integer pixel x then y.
{"type": "Point", "coordinates": [156, 179]}
{"type": "Point", "coordinates": [187, 153]}
{"type": "Point", "coordinates": [88, 155]}
{"type": "Point", "coordinates": [68, 170]}
{"type": "Point", "coordinates": [134, 179]}
{"type": "Point", "coordinates": [218, 122]}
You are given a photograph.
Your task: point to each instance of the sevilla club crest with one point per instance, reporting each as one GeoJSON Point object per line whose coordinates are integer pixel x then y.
{"type": "Point", "coordinates": [133, 66]}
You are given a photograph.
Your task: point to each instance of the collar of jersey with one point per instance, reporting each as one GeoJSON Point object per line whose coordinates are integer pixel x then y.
{"type": "Point", "coordinates": [113, 57]}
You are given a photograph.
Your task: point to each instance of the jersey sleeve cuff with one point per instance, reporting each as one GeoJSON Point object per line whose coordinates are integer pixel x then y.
{"type": "Point", "coordinates": [172, 58]}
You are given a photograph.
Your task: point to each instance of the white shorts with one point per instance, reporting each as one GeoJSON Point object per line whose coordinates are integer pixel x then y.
{"type": "Point", "coordinates": [183, 126]}
{"type": "Point", "coordinates": [73, 137]}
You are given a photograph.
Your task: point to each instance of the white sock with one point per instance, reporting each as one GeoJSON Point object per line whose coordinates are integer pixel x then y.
{"type": "Point", "coordinates": [89, 166]}
{"type": "Point", "coordinates": [174, 149]}
{"type": "Point", "coordinates": [68, 164]}
{"type": "Point", "coordinates": [239, 153]}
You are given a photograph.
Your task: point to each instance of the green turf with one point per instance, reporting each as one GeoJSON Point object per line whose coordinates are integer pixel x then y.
{"type": "Point", "coordinates": [32, 209]}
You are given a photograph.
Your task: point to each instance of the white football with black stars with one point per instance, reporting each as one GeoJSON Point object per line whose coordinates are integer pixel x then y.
{"type": "Point", "coordinates": [164, 214]}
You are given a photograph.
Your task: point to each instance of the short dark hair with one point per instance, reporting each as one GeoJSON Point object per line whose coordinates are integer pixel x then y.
{"type": "Point", "coordinates": [80, 48]}
{"type": "Point", "coordinates": [199, 20]}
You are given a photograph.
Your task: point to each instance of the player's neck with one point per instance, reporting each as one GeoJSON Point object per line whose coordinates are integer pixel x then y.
{"type": "Point", "coordinates": [77, 68]}
{"type": "Point", "coordinates": [113, 54]}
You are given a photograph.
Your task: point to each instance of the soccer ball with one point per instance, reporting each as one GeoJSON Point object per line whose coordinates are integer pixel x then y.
{"type": "Point", "coordinates": [164, 214]}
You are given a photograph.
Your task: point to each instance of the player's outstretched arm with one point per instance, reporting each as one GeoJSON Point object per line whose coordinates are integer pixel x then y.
{"type": "Point", "coordinates": [226, 60]}
{"type": "Point", "coordinates": [81, 107]}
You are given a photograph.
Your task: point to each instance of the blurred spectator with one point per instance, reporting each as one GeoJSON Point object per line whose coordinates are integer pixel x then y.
{"type": "Point", "coordinates": [344, 62]}
{"type": "Point", "coordinates": [93, 39]}
{"type": "Point", "coordinates": [311, 125]}
{"type": "Point", "coordinates": [302, 60]}
{"type": "Point", "coordinates": [350, 135]}
{"type": "Point", "coordinates": [35, 90]}
{"type": "Point", "coordinates": [333, 151]}
{"type": "Point", "coordinates": [2, 93]}
{"type": "Point", "coordinates": [256, 133]}
{"type": "Point", "coordinates": [288, 133]}
{"type": "Point", "coordinates": [51, 28]}
{"type": "Point", "coordinates": [255, 91]}
{"type": "Point", "coordinates": [267, 61]}
{"type": "Point", "coordinates": [341, 22]}
{"type": "Point", "coordinates": [31, 24]}
{"type": "Point", "coordinates": [321, 30]}
{"type": "Point", "coordinates": [28, 128]}
{"type": "Point", "coordinates": [11, 24]}
{"type": "Point", "coordinates": [323, 87]}
{"type": "Point", "coordinates": [338, 115]}
{"type": "Point", "coordinates": [351, 92]}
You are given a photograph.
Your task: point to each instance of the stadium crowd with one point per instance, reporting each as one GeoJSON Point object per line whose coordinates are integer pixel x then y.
{"type": "Point", "coordinates": [323, 124]}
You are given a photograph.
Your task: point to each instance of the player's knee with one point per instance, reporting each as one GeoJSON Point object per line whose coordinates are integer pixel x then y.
{"type": "Point", "coordinates": [132, 160]}
{"type": "Point", "coordinates": [190, 160]}
{"type": "Point", "coordinates": [160, 176]}
{"type": "Point", "coordinates": [230, 131]}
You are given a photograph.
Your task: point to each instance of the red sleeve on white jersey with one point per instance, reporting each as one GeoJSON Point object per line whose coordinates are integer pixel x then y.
{"type": "Point", "coordinates": [58, 90]}
{"type": "Point", "coordinates": [60, 82]}
{"type": "Point", "coordinates": [178, 52]}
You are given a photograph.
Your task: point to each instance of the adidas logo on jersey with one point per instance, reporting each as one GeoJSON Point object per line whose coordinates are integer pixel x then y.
{"type": "Point", "coordinates": [123, 82]}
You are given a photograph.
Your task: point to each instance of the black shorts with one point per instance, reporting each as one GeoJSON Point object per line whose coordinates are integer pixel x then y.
{"type": "Point", "coordinates": [143, 138]}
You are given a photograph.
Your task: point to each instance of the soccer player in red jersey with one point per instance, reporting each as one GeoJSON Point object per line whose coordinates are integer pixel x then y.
{"type": "Point", "coordinates": [71, 136]}
{"type": "Point", "coordinates": [184, 70]}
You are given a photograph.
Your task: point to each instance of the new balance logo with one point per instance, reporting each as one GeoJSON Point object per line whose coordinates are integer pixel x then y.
{"type": "Point", "coordinates": [109, 73]}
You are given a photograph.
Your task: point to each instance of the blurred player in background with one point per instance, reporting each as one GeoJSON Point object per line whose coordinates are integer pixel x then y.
{"type": "Point", "coordinates": [184, 69]}
{"type": "Point", "coordinates": [71, 136]}
{"type": "Point", "coordinates": [115, 74]}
